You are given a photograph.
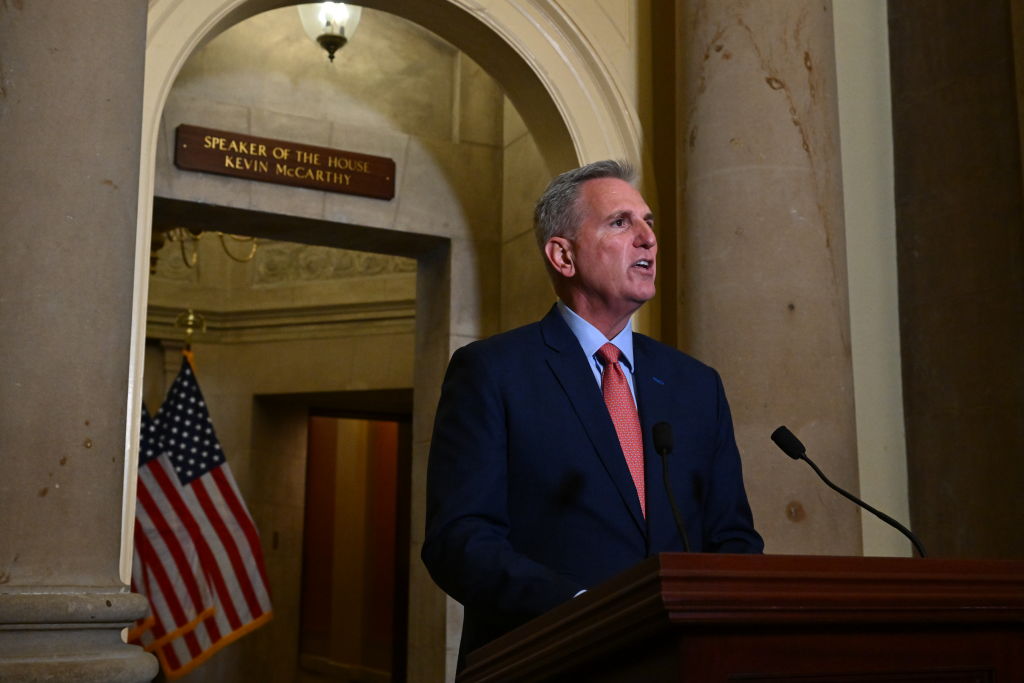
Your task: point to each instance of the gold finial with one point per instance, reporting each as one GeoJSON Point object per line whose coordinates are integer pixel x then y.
{"type": "Point", "coordinates": [191, 321]}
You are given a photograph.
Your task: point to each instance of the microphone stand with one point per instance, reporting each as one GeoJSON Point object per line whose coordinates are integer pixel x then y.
{"type": "Point", "coordinates": [791, 446]}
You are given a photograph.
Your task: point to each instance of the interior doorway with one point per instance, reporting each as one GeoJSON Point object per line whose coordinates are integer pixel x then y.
{"type": "Point", "coordinates": [354, 595]}
{"type": "Point", "coordinates": [283, 365]}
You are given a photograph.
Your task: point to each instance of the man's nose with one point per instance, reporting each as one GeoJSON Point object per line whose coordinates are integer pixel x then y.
{"type": "Point", "coordinates": [645, 236]}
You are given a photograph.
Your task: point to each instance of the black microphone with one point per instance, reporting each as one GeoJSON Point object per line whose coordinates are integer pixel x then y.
{"type": "Point", "coordinates": [663, 446]}
{"type": "Point", "coordinates": [792, 447]}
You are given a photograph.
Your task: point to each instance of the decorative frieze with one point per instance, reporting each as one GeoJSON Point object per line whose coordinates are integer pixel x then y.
{"type": "Point", "coordinates": [286, 263]}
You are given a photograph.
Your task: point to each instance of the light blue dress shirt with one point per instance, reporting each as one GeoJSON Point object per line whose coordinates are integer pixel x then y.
{"type": "Point", "coordinates": [591, 339]}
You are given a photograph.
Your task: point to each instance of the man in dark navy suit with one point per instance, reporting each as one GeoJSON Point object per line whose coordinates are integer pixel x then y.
{"type": "Point", "coordinates": [543, 481]}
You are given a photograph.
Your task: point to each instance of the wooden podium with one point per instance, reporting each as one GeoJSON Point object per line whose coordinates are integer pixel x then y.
{"type": "Point", "coordinates": [775, 619]}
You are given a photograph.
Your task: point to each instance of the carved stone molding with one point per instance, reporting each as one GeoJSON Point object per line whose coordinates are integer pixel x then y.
{"type": "Point", "coordinates": [71, 633]}
{"type": "Point", "coordinates": [307, 322]}
{"type": "Point", "coordinates": [279, 263]}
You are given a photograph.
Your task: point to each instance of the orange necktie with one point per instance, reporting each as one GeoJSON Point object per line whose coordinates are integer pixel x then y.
{"type": "Point", "coordinates": [622, 409]}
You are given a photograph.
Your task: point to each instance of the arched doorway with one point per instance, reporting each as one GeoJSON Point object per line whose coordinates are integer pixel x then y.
{"type": "Point", "coordinates": [574, 107]}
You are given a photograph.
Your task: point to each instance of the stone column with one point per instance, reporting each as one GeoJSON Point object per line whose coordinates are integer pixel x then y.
{"type": "Point", "coordinates": [71, 78]}
{"type": "Point", "coordinates": [762, 252]}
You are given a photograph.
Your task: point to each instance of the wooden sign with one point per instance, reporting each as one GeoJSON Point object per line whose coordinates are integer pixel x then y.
{"type": "Point", "coordinates": [285, 163]}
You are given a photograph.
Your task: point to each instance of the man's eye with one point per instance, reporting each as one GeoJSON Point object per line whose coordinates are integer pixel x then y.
{"type": "Point", "coordinates": [619, 222]}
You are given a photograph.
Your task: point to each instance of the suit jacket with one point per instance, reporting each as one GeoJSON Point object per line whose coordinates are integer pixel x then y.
{"type": "Point", "coordinates": [529, 499]}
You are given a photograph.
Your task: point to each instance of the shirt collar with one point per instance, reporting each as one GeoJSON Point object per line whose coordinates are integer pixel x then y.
{"type": "Point", "coordinates": [591, 339]}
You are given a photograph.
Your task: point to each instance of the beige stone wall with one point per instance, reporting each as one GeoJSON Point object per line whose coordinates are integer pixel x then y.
{"type": "Point", "coordinates": [526, 291]}
{"type": "Point", "coordinates": [764, 259]}
{"type": "Point", "coordinates": [70, 112]}
{"type": "Point", "coordinates": [393, 74]}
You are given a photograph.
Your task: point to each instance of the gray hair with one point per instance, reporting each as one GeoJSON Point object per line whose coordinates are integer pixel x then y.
{"type": "Point", "coordinates": [557, 213]}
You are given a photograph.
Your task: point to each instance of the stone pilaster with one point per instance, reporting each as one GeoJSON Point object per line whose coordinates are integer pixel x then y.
{"type": "Point", "coordinates": [762, 251]}
{"type": "Point", "coordinates": [71, 78]}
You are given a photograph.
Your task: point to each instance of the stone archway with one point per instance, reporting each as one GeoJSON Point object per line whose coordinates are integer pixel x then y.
{"type": "Point", "coordinates": [565, 91]}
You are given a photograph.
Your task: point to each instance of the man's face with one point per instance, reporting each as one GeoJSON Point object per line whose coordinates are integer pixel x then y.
{"type": "Point", "coordinates": [613, 252]}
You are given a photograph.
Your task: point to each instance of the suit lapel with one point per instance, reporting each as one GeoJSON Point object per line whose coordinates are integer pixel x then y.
{"type": "Point", "coordinates": [654, 402]}
{"type": "Point", "coordinates": [654, 396]}
{"type": "Point", "coordinates": [573, 372]}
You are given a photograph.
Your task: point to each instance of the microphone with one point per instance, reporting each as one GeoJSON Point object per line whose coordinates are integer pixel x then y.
{"type": "Point", "coordinates": [663, 446]}
{"type": "Point", "coordinates": [792, 447]}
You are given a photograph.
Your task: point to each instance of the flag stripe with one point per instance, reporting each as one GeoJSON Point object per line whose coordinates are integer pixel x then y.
{"type": "Point", "coordinates": [169, 658]}
{"type": "Point", "coordinates": [163, 632]}
{"type": "Point", "coordinates": [140, 584]}
{"type": "Point", "coordinates": [169, 496]}
{"type": "Point", "coordinates": [229, 545]}
{"type": "Point", "coordinates": [157, 572]}
{"type": "Point", "coordinates": [185, 569]}
{"type": "Point", "coordinates": [206, 558]}
{"type": "Point", "coordinates": [194, 647]}
{"type": "Point", "coordinates": [229, 492]}
{"type": "Point", "coordinates": [215, 562]}
{"type": "Point", "coordinates": [159, 630]}
{"type": "Point", "coordinates": [228, 499]}
{"type": "Point", "coordinates": [196, 643]}
{"type": "Point", "coordinates": [140, 569]}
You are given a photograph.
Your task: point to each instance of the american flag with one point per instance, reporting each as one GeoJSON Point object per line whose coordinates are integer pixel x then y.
{"type": "Point", "coordinates": [214, 517]}
{"type": "Point", "coordinates": [166, 565]}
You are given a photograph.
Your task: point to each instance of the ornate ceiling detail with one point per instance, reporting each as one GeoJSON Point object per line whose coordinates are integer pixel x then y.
{"type": "Point", "coordinates": [279, 263]}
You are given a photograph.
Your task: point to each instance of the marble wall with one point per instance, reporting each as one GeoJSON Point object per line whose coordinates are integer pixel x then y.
{"type": "Point", "coordinates": [763, 255]}
{"type": "Point", "coordinates": [69, 194]}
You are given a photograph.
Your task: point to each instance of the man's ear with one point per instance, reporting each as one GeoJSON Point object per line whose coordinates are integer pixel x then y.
{"type": "Point", "coordinates": [558, 251]}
